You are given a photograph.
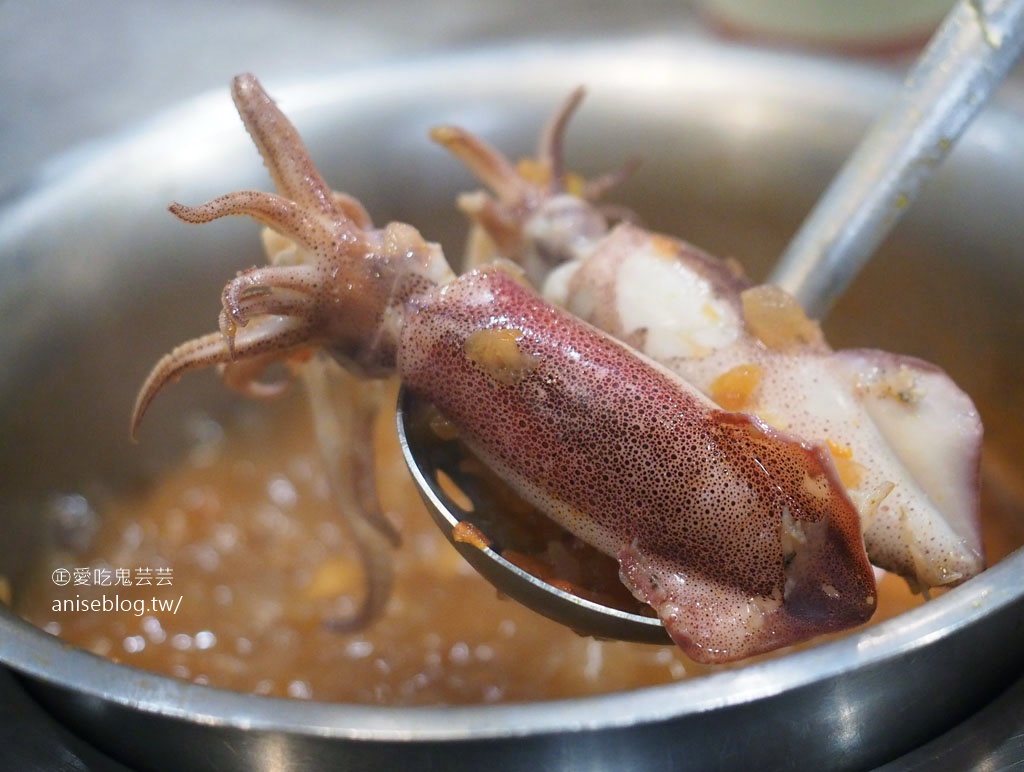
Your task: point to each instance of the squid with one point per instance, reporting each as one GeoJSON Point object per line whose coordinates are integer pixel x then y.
{"type": "Point", "coordinates": [739, 534]}
{"type": "Point", "coordinates": [905, 439]}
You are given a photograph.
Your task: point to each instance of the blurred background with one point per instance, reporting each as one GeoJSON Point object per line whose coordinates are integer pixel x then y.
{"type": "Point", "coordinates": [72, 71]}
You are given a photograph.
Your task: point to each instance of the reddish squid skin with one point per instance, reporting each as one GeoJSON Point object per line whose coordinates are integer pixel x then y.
{"type": "Point", "coordinates": [740, 537]}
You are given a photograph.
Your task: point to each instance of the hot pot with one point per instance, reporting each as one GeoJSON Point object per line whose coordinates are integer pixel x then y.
{"type": "Point", "coordinates": [96, 280]}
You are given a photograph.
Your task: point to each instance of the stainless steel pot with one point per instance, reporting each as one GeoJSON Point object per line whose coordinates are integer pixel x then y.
{"type": "Point", "coordinates": [96, 280]}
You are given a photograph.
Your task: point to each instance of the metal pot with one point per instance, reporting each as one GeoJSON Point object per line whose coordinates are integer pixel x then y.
{"type": "Point", "coordinates": [96, 281]}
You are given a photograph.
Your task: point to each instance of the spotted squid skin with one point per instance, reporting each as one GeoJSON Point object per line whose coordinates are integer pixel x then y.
{"type": "Point", "coordinates": [741, 538]}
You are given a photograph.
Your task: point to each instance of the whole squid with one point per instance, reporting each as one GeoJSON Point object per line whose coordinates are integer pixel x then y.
{"type": "Point", "coordinates": [741, 536]}
{"type": "Point", "coordinates": [905, 439]}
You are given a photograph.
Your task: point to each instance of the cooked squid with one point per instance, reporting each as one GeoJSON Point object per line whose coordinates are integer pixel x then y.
{"type": "Point", "coordinates": [740, 535]}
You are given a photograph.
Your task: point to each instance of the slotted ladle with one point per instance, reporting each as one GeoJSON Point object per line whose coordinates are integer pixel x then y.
{"type": "Point", "coordinates": [966, 60]}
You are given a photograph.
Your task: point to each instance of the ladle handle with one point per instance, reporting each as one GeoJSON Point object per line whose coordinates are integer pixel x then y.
{"type": "Point", "coordinates": [965, 61]}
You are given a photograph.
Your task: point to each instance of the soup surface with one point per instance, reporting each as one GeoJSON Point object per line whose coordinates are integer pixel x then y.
{"type": "Point", "coordinates": [247, 565]}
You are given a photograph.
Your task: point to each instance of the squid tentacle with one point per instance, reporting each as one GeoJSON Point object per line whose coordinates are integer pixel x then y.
{"type": "Point", "coordinates": [283, 290]}
{"type": "Point", "coordinates": [196, 354]}
{"type": "Point", "coordinates": [282, 215]}
{"type": "Point", "coordinates": [292, 170]}
{"type": "Point", "coordinates": [484, 160]}
{"type": "Point", "coordinates": [343, 431]}
{"type": "Point", "coordinates": [551, 150]}
{"type": "Point", "coordinates": [277, 336]}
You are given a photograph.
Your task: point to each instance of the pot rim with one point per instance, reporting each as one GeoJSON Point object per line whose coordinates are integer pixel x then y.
{"type": "Point", "coordinates": [35, 653]}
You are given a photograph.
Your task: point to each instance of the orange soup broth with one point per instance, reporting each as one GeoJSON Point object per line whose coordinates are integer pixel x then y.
{"type": "Point", "coordinates": [259, 566]}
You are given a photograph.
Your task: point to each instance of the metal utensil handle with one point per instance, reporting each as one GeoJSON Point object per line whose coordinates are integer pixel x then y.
{"type": "Point", "coordinates": [962, 66]}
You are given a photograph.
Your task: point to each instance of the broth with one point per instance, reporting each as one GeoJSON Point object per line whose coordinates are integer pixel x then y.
{"type": "Point", "coordinates": [257, 566]}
